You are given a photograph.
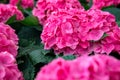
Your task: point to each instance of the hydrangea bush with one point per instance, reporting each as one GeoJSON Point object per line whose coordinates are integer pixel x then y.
{"type": "Point", "coordinates": [59, 40]}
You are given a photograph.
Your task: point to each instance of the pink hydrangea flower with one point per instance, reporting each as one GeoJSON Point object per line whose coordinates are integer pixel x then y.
{"type": "Point", "coordinates": [7, 11]}
{"type": "Point", "coordinates": [45, 8]}
{"type": "Point", "coordinates": [116, 39]}
{"type": "Point", "coordinates": [13, 2]}
{"type": "Point", "coordinates": [24, 3]}
{"type": "Point", "coordinates": [98, 67]}
{"type": "Point", "coordinates": [117, 2]}
{"type": "Point", "coordinates": [106, 24]}
{"type": "Point", "coordinates": [109, 43]}
{"type": "Point", "coordinates": [61, 32]}
{"type": "Point", "coordinates": [8, 67]}
{"type": "Point", "coordinates": [74, 31]}
{"type": "Point", "coordinates": [99, 4]}
{"type": "Point", "coordinates": [27, 3]}
{"type": "Point", "coordinates": [8, 39]}
{"type": "Point", "coordinates": [93, 27]}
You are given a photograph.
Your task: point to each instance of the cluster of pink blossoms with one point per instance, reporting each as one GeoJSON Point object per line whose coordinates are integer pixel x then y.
{"type": "Point", "coordinates": [8, 67]}
{"type": "Point", "coordinates": [24, 3]}
{"type": "Point", "coordinates": [79, 32]}
{"type": "Point", "coordinates": [9, 43]}
{"type": "Point", "coordinates": [7, 11]}
{"type": "Point", "coordinates": [73, 30]}
{"type": "Point", "coordinates": [45, 8]}
{"type": "Point", "coordinates": [8, 39]}
{"type": "Point", "coordinates": [98, 67]}
{"type": "Point", "coordinates": [99, 4]}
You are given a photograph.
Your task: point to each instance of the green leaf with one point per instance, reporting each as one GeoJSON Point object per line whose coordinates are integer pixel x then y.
{"type": "Point", "coordinates": [118, 22]}
{"type": "Point", "coordinates": [43, 50]}
{"type": "Point", "coordinates": [90, 3]}
{"type": "Point", "coordinates": [84, 4]}
{"type": "Point", "coordinates": [20, 62]}
{"type": "Point", "coordinates": [17, 26]}
{"type": "Point", "coordinates": [26, 50]}
{"type": "Point", "coordinates": [11, 20]}
{"type": "Point", "coordinates": [25, 43]}
{"type": "Point", "coordinates": [27, 68]}
{"type": "Point", "coordinates": [30, 34]}
{"type": "Point", "coordinates": [82, 1]}
{"type": "Point", "coordinates": [30, 21]}
{"type": "Point", "coordinates": [38, 57]}
{"type": "Point", "coordinates": [104, 35]}
{"type": "Point", "coordinates": [29, 40]}
{"type": "Point", "coordinates": [114, 11]}
{"type": "Point", "coordinates": [69, 57]}
{"type": "Point", "coordinates": [27, 11]}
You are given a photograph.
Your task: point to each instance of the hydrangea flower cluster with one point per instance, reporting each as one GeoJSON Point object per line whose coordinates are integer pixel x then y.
{"type": "Point", "coordinates": [98, 67]}
{"type": "Point", "coordinates": [44, 8]}
{"type": "Point", "coordinates": [24, 3]}
{"type": "Point", "coordinates": [7, 10]}
{"type": "Point", "coordinates": [8, 39]}
{"type": "Point", "coordinates": [99, 4]}
{"type": "Point", "coordinates": [8, 67]}
{"type": "Point", "coordinates": [27, 3]}
{"type": "Point", "coordinates": [77, 31]}
{"type": "Point", "coordinates": [115, 39]}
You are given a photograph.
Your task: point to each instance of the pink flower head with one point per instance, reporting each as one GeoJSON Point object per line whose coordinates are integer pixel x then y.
{"type": "Point", "coordinates": [8, 39]}
{"type": "Point", "coordinates": [61, 32]}
{"type": "Point", "coordinates": [116, 2]}
{"type": "Point", "coordinates": [110, 43]}
{"type": "Point", "coordinates": [7, 11]}
{"type": "Point", "coordinates": [116, 38]}
{"type": "Point", "coordinates": [24, 3]}
{"type": "Point", "coordinates": [94, 27]}
{"type": "Point", "coordinates": [13, 2]}
{"type": "Point", "coordinates": [73, 31]}
{"type": "Point", "coordinates": [99, 4]}
{"type": "Point", "coordinates": [27, 3]}
{"type": "Point", "coordinates": [8, 67]}
{"type": "Point", "coordinates": [105, 24]}
{"type": "Point", "coordinates": [45, 8]}
{"type": "Point", "coordinates": [98, 67]}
